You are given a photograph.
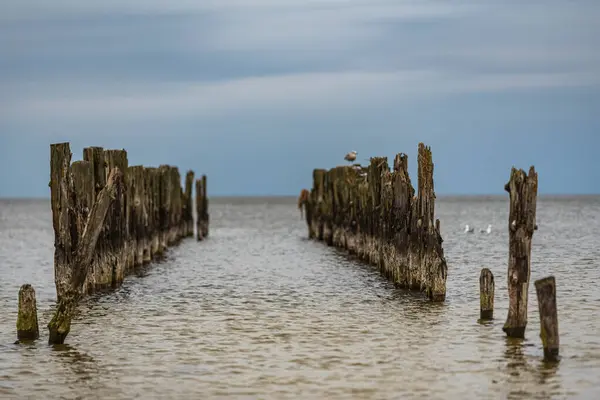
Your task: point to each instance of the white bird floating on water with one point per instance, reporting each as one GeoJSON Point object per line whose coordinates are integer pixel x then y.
{"type": "Point", "coordinates": [468, 229]}
{"type": "Point", "coordinates": [351, 156]}
{"type": "Point", "coordinates": [488, 230]}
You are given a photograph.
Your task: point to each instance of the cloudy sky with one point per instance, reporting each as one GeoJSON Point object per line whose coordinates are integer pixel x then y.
{"type": "Point", "coordinates": [257, 93]}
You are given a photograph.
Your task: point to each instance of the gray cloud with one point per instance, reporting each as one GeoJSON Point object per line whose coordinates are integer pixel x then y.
{"type": "Point", "coordinates": [152, 59]}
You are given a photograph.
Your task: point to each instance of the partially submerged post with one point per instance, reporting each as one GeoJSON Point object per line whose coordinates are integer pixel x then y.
{"type": "Point", "coordinates": [202, 217]}
{"type": "Point", "coordinates": [486, 294]}
{"type": "Point", "coordinates": [188, 209]}
{"type": "Point", "coordinates": [522, 188]}
{"type": "Point", "coordinates": [546, 295]}
{"type": "Point", "coordinates": [27, 321]}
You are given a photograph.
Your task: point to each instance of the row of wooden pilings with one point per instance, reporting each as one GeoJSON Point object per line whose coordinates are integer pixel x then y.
{"type": "Point", "coordinates": [373, 213]}
{"type": "Point", "coordinates": [109, 218]}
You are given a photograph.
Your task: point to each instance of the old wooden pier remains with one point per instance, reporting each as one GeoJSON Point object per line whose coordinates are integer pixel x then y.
{"type": "Point", "coordinates": [373, 213]}
{"type": "Point", "coordinates": [109, 218]}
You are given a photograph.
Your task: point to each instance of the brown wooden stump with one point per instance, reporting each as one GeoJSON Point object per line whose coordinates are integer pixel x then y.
{"type": "Point", "coordinates": [521, 225]}
{"type": "Point", "coordinates": [546, 295]}
{"type": "Point", "coordinates": [27, 321]}
{"type": "Point", "coordinates": [486, 294]}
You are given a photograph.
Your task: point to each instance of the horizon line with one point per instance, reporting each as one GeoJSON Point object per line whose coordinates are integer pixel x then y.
{"type": "Point", "coordinates": [438, 195]}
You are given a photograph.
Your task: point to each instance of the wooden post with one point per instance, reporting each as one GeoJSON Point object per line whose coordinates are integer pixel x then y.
{"type": "Point", "coordinates": [202, 216]}
{"type": "Point", "coordinates": [74, 270]}
{"type": "Point", "coordinates": [521, 225]}
{"type": "Point", "coordinates": [546, 295]}
{"type": "Point", "coordinates": [188, 210]}
{"type": "Point", "coordinates": [486, 294]}
{"type": "Point", "coordinates": [27, 321]}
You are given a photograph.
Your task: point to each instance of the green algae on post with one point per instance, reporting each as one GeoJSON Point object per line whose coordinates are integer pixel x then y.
{"type": "Point", "coordinates": [27, 320]}
{"type": "Point", "coordinates": [373, 213]}
{"type": "Point", "coordinates": [486, 295]}
{"type": "Point", "coordinates": [522, 189]}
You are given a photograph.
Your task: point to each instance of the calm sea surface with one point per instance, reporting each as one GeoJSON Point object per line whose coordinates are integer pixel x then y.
{"type": "Point", "coordinates": [258, 311]}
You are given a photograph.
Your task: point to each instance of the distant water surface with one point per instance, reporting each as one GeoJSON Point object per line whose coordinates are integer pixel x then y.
{"type": "Point", "coordinates": [258, 311]}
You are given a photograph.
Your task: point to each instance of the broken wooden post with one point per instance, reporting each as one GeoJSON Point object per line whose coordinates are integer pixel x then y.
{"type": "Point", "coordinates": [27, 321]}
{"type": "Point", "coordinates": [486, 294]}
{"type": "Point", "coordinates": [546, 295]}
{"type": "Point", "coordinates": [372, 212]}
{"type": "Point", "coordinates": [522, 188]}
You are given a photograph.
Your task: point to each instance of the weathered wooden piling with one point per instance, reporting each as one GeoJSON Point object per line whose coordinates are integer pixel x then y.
{"type": "Point", "coordinates": [486, 294]}
{"type": "Point", "coordinates": [188, 210]}
{"type": "Point", "coordinates": [202, 216]}
{"type": "Point", "coordinates": [373, 213]}
{"type": "Point", "coordinates": [27, 320]}
{"type": "Point", "coordinates": [522, 189]}
{"type": "Point", "coordinates": [109, 218]}
{"type": "Point", "coordinates": [546, 295]}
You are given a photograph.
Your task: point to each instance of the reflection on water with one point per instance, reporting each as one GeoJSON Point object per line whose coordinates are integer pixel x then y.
{"type": "Point", "coordinates": [258, 311]}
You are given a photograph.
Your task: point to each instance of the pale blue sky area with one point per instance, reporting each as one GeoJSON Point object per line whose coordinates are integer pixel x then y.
{"type": "Point", "coordinates": [257, 93]}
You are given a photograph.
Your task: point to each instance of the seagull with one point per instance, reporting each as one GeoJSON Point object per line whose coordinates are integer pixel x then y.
{"type": "Point", "coordinates": [351, 156]}
{"type": "Point", "coordinates": [468, 230]}
{"type": "Point", "coordinates": [488, 230]}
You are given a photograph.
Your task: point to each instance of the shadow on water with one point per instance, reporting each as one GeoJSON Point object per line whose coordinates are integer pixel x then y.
{"type": "Point", "coordinates": [522, 368]}
{"type": "Point", "coordinates": [83, 366]}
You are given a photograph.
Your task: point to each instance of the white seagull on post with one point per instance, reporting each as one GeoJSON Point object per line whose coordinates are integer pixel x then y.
{"type": "Point", "coordinates": [351, 156]}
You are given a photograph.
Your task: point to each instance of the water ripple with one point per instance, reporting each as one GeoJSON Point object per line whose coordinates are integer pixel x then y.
{"type": "Point", "coordinates": [258, 311]}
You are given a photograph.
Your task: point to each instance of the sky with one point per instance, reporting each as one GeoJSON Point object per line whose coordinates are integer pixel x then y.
{"type": "Point", "coordinates": [257, 93]}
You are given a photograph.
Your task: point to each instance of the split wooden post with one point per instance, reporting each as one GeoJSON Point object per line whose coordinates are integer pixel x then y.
{"type": "Point", "coordinates": [27, 321]}
{"type": "Point", "coordinates": [486, 294]}
{"type": "Point", "coordinates": [75, 264]}
{"type": "Point", "coordinates": [522, 188]}
{"type": "Point", "coordinates": [546, 295]}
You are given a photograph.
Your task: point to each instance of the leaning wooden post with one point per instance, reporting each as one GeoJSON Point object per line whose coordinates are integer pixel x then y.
{"type": "Point", "coordinates": [521, 225]}
{"type": "Point", "coordinates": [546, 295]}
{"type": "Point", "coordinates": [27, 321]}
{"type": "Point", "coordinates": [74, 272]}
{"type": "Point", "coordinates": [486, 294]}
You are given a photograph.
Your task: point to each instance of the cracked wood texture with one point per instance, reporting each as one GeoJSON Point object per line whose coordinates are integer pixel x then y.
{"type": "Point", "coordinates": [522, 189]}
{"type": "Point", "coordinates": [373, 213]}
